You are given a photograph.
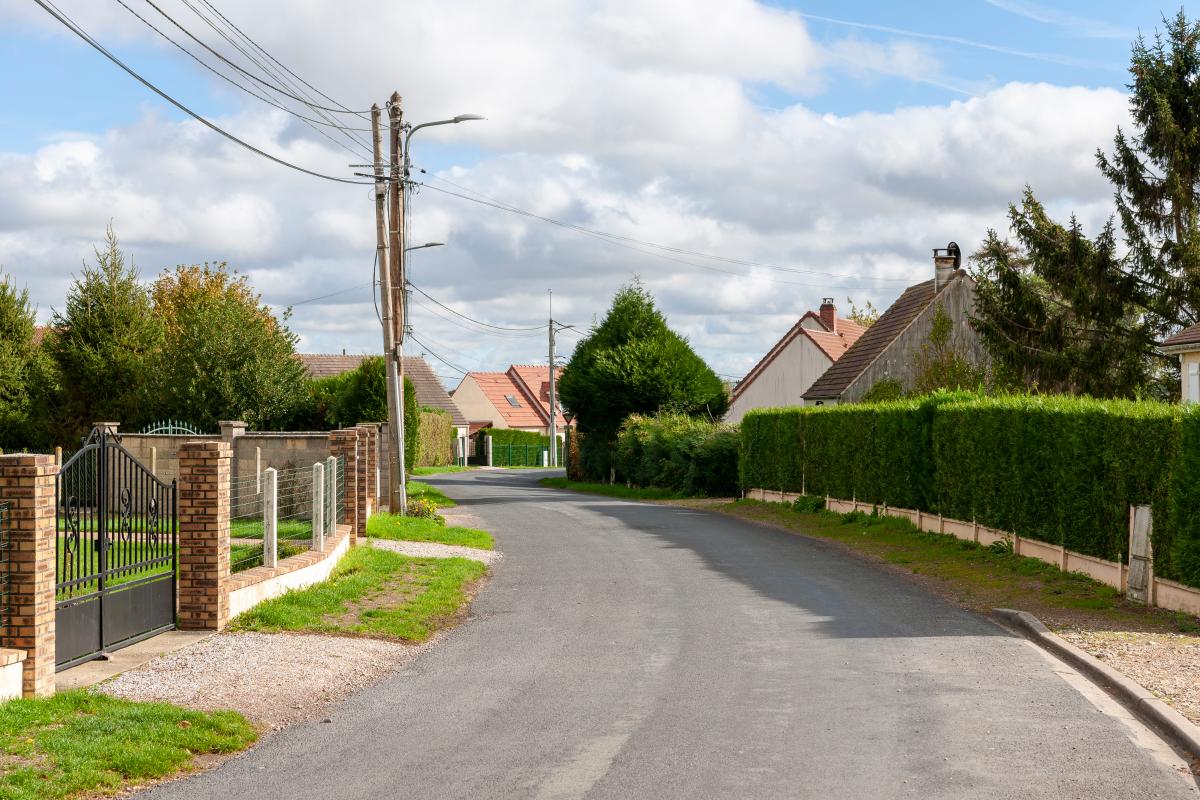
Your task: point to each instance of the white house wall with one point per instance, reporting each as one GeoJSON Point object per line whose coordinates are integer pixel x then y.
{"type": "Point", "coordinates": [475, 405]}
{"type": "Point", "coordinates": [784, 380]}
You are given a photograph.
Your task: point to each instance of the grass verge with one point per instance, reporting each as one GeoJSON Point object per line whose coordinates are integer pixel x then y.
{"type": "Point", "coordinates": [81, 742]}
{"type": "Point", "coordinates": [423, 491]}
{"type": "Point", "coordinates": [611, 490]}
{"type": "Point", "coordinates": [252, 528]}
{"type": "Point", "coordinates": [373, 592]}
{"type": "Point", "coordinates": [973, 576]}
{"type": "Point", "coordinates": [440, 470]}
{"type": "Point", "coordinates": [423, 529]}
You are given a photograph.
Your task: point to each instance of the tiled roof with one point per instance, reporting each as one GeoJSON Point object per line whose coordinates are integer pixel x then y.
{"type": "Point", "coordinates": [39, 334]}
{"type": "Point", "coordinates": [498, 387]}
{"type": "Point", "coordinates": [536, 380]}
{"type": "Point", "coordinates": [1186, 336]}
{"type": "Point", "coordinates": [428, 387]}
{"type": "Point", "coordinates": [831, 344]}
{"type": "Point", "coordinates": [874, 341]}
{"type": "Point", "coordinates": [326, 365]}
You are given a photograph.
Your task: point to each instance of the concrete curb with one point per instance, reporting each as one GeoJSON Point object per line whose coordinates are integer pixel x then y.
{"type": "Point", "coordinates": [1176, 728]}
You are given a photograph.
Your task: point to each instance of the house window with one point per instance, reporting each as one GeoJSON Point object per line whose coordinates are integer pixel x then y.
{"type": "Point", "coordinates": [512, 400]}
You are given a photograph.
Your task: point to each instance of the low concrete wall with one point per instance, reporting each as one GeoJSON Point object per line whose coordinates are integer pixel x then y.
{"type": "Point", "coordinates": [251, 587]}
{"type": "Point", "coordinates": [1164, 593]}
{"type": "Point", "coordinates": [12, 667]}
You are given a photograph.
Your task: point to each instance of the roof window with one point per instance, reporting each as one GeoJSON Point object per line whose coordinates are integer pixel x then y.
{"type": "Point", "coordinates": [512, 400]}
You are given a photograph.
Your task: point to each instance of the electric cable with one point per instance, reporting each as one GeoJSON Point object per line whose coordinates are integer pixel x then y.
{"type": "Point", "coordinates": [72, 26]}
{"type": "Point", "coordinates": [422, 292]}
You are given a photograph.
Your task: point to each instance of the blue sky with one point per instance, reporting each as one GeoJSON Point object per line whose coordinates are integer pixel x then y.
{"type": "Point", "coordinates": [843, 139]}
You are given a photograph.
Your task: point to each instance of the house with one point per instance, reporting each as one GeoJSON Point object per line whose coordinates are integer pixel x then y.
{"type": "Point", "coordinates": [517, 398]}
{"type": "Point", "coordinates": [888, 349]}
{"type": "Point", "coordinates": [426, 384]}
{"type": "Point", "coordinates": [1186, 345]}
{"type": "Point", "coordinates": [784, 374]}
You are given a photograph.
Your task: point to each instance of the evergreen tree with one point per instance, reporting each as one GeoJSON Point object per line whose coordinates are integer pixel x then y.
{"type": "Point", "coordinates": [1064, 312]}
{"type": "Point", "coordinates": [23, 370]}
{"type": "Point", "coordinates": [632, 363]}
{"type": "Point", "coordinates": [101, 345]}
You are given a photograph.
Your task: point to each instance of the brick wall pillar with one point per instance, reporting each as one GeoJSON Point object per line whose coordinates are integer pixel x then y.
{"type": "Point", "coordinates": [369, 450]}
{"type": "Point", "coordinates": [204, 535]}
{"type": "Point", "coordinates": [27, 484]}
{"type": "Point", "coordinates": [345, 444]}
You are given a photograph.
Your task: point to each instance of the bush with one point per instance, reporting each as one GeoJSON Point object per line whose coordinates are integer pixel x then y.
{"type": "Point", "coordinates": [680, 453]}
{"type": "Point", "coordinates": [1063, 470]}
{"type": "Point", "coordinates": [436, 438]}
{"type": "Point", "coordinates": [512, 448]}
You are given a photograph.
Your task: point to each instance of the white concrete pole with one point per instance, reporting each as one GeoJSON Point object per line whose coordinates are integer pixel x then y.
{"type": "Point", "coordinates": [488, 447]}
{"type": "Point", "coordinates": [318, 507]}
{"type": "Point", "coordinates": [270, 520]}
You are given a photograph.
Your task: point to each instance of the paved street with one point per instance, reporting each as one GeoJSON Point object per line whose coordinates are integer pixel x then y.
{"type": "Point", "coordinates": [625, 650]}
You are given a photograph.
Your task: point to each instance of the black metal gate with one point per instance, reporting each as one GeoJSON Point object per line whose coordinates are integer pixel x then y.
{"type": "Point", "coordinates": [116, 552]}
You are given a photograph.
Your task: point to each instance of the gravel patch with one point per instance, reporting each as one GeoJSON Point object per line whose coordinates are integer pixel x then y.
{"type": "Point", "coordinates": [436, 550]}
{"type": "Point", "coordinates": [1167, 664]}
{"type": "Point", "coordinates": [274, 680]}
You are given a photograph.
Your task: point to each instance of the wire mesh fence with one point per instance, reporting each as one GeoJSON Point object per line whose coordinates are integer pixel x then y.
{"type": "Point", "coordinates": [295, 489]}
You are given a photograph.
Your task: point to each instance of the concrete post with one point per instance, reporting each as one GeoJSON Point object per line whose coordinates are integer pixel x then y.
{"type": "Point", "coordinates": [27, 484]}
{"type": "Point", "coordinates": [203, 491]}
{"type": "Point", "coordinates": [488, 449]}
{"type": "Point", "coordinates": [318, 506]}
{"type": "Point", "coordinates": [270, 517]}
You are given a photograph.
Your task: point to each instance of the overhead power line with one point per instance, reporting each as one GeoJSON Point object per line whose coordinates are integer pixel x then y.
{"type": "Point", "coordinates": [422, 292]}
{"type": "Point", "coordinates": [261, 49]}
{"type": "Point", "coordinates": [311, 122]}
{"type": "Point", "coordinates": [639, 245]}
{"type": "Point", "coordinates": [72, 26]}
{"type": "Point", "coordinates": [434, 353]}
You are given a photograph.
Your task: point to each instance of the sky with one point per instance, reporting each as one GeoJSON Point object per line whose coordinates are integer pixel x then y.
{"type": "Point", "coordinates": [743, 159]}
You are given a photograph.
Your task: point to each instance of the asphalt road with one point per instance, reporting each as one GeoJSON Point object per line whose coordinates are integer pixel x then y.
{"type": "Point", "coordinates": [624, 650]}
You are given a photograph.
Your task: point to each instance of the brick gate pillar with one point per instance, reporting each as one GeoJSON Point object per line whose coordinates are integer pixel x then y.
{"type": "Point", "coordinates": [369, 452]}
{"type": "Point", "coordinates": [203, 489]}
{"type": "Point", "coordinates": [27, 485]}
{"type": "Point", "coordinates": [346, 444]}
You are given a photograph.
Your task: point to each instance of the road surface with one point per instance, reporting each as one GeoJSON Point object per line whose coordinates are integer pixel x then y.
{"type": "Point", "coordinates": [625, 650]}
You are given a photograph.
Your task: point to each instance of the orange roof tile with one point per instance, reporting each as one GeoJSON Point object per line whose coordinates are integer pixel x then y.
{"type": "Point", "coordinates": [536, 380]}
{"type": "Point", "coordinates": [498, 387]}
{"type": "Point", "coordinates": [830, 343]}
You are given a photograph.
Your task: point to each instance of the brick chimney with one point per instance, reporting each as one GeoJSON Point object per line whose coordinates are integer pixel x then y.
{"type": "Point", "coordinates": [829, 315]}
{"type": "Point", "coordinates": [946, 261]}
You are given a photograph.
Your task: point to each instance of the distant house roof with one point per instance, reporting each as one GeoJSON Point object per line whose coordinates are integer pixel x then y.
{"type": "Point", "coordinates": [39, 334]}
{"type": "Point", "coordinates": [874, 341]}
{"type": "Point", "coordinates": [832, 344]}
{"type": "Point", "coordinates": [1184, 337]}
{"type": "Point", "coordinates": [428, 387]}
{"type": "Point", "coordinates": [510, 401]}
{"type": "Point", "coordinates": [520, 395]}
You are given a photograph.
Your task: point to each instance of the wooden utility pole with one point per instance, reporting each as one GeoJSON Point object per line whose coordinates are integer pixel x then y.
{"type": "Point", "coordinates": [396, 192]}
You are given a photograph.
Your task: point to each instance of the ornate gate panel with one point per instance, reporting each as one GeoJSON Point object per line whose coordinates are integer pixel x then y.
{"type": "Point", "coordinates": [116, 552]}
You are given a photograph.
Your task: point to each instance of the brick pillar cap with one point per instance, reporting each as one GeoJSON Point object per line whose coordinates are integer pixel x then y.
{"type": "Point", "coordinates": [27, 460]}
{"type": "Point", "coordinates": [222, 448]}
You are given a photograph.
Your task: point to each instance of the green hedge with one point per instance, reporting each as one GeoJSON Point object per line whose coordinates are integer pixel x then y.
{"type": "Point", "coordinates": [436, 438]}
{"type": "Point", "coordinates": [677, 452]}
{"type": "Point", "coordinates": [1062, 470]}
{"type": "Point", "coordinates": [512, 448]}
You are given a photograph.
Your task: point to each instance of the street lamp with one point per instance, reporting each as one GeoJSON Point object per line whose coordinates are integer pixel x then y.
{"type": "Point", "coordinates": [423, 246]}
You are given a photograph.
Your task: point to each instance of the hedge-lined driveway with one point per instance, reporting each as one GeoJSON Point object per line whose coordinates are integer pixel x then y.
{"type": "Point", "coordinates": [625, 650]}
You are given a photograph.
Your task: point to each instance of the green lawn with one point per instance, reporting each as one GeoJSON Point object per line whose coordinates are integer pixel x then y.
{"type": "Point", "coordinates": [980, 578]}
{"type": "Point", "coordinates": [83, 743]}
{"type": "Point", "coordinates": [252, 528]}
{"type": "Point", "coordinates": [440, 470]}
{"type": "Point", "coordinates": [248, 556]}
{"type": "Point", "coordinates": [423, 491]}
{"type": "Point", "coordinates": [422, 529]}
{"type": "Point", "coordinates": [373, 592]}
{"type": "Point", "coordinates": [118, 553]}
{"type": "Point", "coordinates": [611, 489]}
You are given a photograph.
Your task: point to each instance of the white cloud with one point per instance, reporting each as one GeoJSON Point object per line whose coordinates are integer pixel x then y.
{"type": "Point", "coordinates": [636, 119]}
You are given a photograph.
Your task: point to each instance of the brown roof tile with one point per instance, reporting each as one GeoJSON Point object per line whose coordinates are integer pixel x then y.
{"type": "Point", "coordinates": [428, 387]}
{"type": "Point", "coordinates": [1186, 336]}
{"type": "Point", "coordinates": [873, 341]}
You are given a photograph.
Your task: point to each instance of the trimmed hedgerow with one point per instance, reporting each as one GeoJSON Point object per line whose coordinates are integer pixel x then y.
{"type": "Point", "coordinates": [1062, 470]}
{"type": "Point", "coordinates": [678, 452]}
